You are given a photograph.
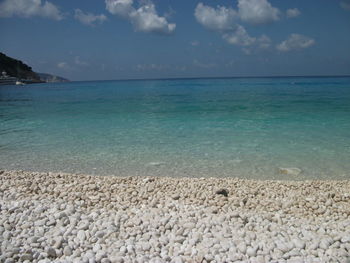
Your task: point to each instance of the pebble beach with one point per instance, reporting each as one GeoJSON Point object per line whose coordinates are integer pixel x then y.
{"type": "Point", "coordinates": [56, 217]}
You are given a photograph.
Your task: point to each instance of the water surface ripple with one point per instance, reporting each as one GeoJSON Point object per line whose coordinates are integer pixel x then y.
{"type": "Point", "coordinates": [245, 127]}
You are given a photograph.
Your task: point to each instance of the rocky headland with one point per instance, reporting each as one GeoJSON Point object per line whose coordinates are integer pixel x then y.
{"type": "Point", "coordinates": [16, 68]}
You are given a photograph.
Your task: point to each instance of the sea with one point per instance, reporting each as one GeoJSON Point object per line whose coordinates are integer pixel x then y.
{"type": "Point", "coordinates": [224, 127]}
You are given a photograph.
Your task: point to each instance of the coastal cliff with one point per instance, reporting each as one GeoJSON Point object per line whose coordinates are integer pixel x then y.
{"type": "Point", "coordinates": [18, 69]}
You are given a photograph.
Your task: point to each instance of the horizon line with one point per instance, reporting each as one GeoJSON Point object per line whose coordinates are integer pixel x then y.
{"type": "Point", "coordinates": [223, 77]}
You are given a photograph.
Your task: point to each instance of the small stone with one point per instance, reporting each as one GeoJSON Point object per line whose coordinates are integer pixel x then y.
{"type": "Point", "coordinates": [209, 257]}
{"type": "Point", "coordinates": [298, 243]}
{"type": "Point", "coordinates": [155, 163]}
{"type": "Point", "coordinates": [40, 222]}
{"type": "Point", "coordinates": [90, 255]}
{"type": "Point", "coordinates": [100, 234]}
{"type": "Point", "coordinates": [176, 197]}
{"type": "Point", "coordinates": [27, 256]}
{"type": "Point", "coordinates": [148, 180]}
{"type": "Point", "coordinates": [67, 251]}
{"type": "Point", "coordinates": [325, 244]}
{"type": "Point", "coordinates": [314, 245]}
{"type": "Point", "coordinates": [328, 202]}
{"type": "Point", "coordinates": [130, 248]}
{"type": "Point", "coordinates": [7, 235]}
{"type": "Point", "coordinates": [251, 252]}
{"type": "Point", "coordinates": [242, 247]}
{"type": "Point", "coordinates": [222, 191]}
{"type": "Point", "coordinates": [345, 239]}
{"type": "Point", "coordinates": [123, 250]}
{"type": "Point", "coordinates": [51, 252]}
{"type": "Point", "coordinates": [177, 260]}
{"type": "Point", "coordinates": [83, 225]}
{"type": "Point", "coordinates": [179, 239]}
{"type": "Point", "coordinates": [283, 247]}
{"type": "Point", "coordinates": [81, 235]}
{"type": "Point", "coordinates": [96, 247]}
{"type": "Point", "coordinates": [146, 246]}
{"type": "Point", "coordinates": [290, 171]}
{"type": "Point", "coordinates": [51, 222]}
{"type": "Point", "coordinates": [58, 243]}
{"type": "Point", "coordinates": [100, 255]}
{"type": "Point", "coordinates": [117, 259]}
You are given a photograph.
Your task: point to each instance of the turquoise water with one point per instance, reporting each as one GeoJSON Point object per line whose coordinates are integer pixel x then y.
{"type": "Point", "coordinates": [244, 127]}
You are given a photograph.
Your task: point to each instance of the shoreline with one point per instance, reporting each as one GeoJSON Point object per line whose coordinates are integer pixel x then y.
{"type": "Point", "coordinates": [56, 217]}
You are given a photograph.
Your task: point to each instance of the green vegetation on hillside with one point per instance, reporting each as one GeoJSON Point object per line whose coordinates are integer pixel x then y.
{"type": "Point", "coordinates": [16, 68]}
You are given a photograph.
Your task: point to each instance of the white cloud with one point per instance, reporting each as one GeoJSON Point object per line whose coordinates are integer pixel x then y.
{"type": "Point", "coordinates": [257, 11]}
{"type": "Point", "coordinates": [119, 7]}
{"type": "Point", "coordinates": [29, 8]}
{"type": "Point", "coordinates": [180, 68]}
{"type": "Point", "coordinates": [79, 62]}
{"type": "Point", "coordinates": [88, 18]}
{"type": "Point", "coordinates": [217, 19]}
{"type": "Point", "coordinates": [345, 5]}
{"type": "Point", "coordinates": [150, 67]}
{"type": "Point", "coordinates": [295, 42]}
{"type": "Point", "coordinates": [63, 65]}
{"type": "Point", "coordinates": [195, 43]}
{"type": "Point", "coordinates": [264, 42]}
{"type": "Point", "coordinates": [293, 12]}
{"type": "Point", "coordinates": [144, 19]}
{"type": "Point", "coordinates": [239, 37]}
{"type": "Point", "coordinates": [223, 20]}
{"type": "Point", "coordinates": [253, 45]}
{"type": "Point", "coordinates": [203, 65]}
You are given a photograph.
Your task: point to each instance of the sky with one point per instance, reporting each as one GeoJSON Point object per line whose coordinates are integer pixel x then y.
{"type": "Point", "coordinates": [132, 39]}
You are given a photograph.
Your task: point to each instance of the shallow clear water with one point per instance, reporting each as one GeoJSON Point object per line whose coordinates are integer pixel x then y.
{"type": "Point", "coordinates": [204, 127]}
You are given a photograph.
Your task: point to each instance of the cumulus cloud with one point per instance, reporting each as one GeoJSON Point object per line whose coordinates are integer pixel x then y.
{"type": "Point", "coordinates": [88, 18]}
{"type": "Point", "coordinates": [79, 62]}
{"type": "Point", "coordinates": [295, 42]}
{"type": "Point", "coordinates": [264, 42]}
{"type": "Point", "coordinates": [146, 19]}
{"type": "Point", "coordinates": [257, 11]}
{"type": "Point", "coordinates": [293, 12]}
{"type": "Point", "coordinates": [254, 45]}
{"type": "Point", "coordinates": [29, 8]}
{"type": "Point", "coordinates": [239, 37]}
{"type": "Point", "coordinates": [120, 7]}
{"type": "Point", "coordinates": [151, 67]}
{"type": "Point", "coordinates": [63, 65]}
{"type": "Point", "coordinates": [223, 20]}
{"type": "Point", "coordinates": [217, 19]}
{"type": "Point", "coordinates": [345, 5]}
{"type": "Point", "coordinates": [143, 19]}
{"type": "Point", "coordinates": [200, 64]}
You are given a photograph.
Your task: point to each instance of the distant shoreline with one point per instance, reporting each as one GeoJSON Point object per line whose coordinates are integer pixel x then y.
{"type": "Point", "coordinates": [213, 78]}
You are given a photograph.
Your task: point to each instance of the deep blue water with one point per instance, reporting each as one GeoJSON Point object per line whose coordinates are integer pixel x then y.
{"type": "Point", "coordinates": [245, 127]}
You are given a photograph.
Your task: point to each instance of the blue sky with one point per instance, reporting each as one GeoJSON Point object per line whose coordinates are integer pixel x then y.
{"type": "Point", "coordinates": [123, 39]}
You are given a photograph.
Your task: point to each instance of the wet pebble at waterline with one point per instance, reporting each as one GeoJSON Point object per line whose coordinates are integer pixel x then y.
{"type": "Point", "coordinates": [47, 217]}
